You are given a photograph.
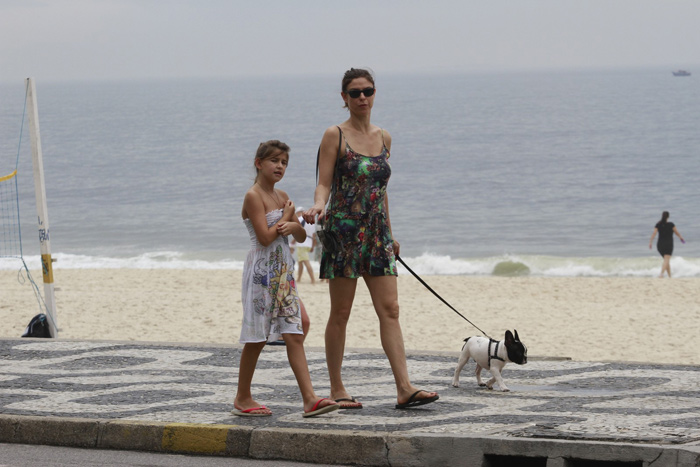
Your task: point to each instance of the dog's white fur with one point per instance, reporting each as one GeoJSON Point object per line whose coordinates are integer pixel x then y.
{"type": "Point", "coordinates": [478, 349]}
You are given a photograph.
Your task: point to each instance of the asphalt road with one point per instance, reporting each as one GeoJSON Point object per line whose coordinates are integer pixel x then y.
{"type": "Point", "coordinates": [20, 455]}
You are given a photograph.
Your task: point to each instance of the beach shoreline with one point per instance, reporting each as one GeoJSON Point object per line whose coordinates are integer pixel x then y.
{"type": "Point", "coordinates": [585, 319]}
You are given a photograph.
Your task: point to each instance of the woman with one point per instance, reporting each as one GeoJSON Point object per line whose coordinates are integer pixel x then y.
{"type": "Point", "coordinates": [664, 245]}
{"type": "Point", "coordinates": [354, 172]}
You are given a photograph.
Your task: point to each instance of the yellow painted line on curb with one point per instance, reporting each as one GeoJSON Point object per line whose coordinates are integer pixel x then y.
{"type": "Point", "coordinates": [194, 437]}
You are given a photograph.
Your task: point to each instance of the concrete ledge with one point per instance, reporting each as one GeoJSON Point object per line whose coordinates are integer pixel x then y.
{"type": "Point", "coordinates": [586, 450]}
{"type": "Point", "coordinates": [190, 438]}
{"type": "Point", "coordinates": [328, 446]}
{"type": "Point", "coordinates": [131, 435]}
{"type": "Point", "coordinates": [222, 440]}
{"type": "Point", "coordinates": [57, 431]}
{"type": "Point", "coordinates": [431, 449]}
{"type": "Point", "coordinates": [320, 446]}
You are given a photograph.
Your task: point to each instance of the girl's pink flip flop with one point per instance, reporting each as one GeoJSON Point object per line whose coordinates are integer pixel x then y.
{"type": "Point", "coordinates": [249, 412]}
{"type": "Point", "coordinates": [316, 411]}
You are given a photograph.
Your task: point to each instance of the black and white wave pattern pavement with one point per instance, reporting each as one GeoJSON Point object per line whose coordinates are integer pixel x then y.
{"type": "Point", "coordinates": [196, 384]}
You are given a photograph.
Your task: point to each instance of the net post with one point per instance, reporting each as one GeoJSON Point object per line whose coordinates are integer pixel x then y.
{"type": "Point", "coordinates": [41, 208]}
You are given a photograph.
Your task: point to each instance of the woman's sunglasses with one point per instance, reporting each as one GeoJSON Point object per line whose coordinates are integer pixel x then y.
{"type": "Point", "coordinates": [355, 93]}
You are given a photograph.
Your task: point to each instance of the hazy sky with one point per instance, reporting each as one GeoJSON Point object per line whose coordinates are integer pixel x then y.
{"type": "Point", "coordinates": [54, 40]}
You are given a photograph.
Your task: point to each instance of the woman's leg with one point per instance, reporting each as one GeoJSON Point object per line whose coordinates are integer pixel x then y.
{"type": "Point", "coordinates": [342, 291]}
{"type": "Point", "coordinates": [249, 360]}
{"type": "Point", "coordinates": [667, 265]}
{"type": "Point", "coordinates": [297, 360]}
{"type": "Point", "coordinates": [385, 298]}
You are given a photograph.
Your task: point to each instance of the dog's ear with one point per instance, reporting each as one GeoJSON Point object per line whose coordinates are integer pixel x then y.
{"type": "Point", "coordinates": [509, 337]}
{"type": "Point", "coordinates": [516, 335]}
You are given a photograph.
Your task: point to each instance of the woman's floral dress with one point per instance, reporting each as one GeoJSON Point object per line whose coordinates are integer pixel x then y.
{"type": "Point", "coordinates": [356, 212]}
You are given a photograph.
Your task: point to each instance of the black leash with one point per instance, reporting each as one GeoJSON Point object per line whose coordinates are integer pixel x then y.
{"type": "Point", "coordinates": [438, 296]}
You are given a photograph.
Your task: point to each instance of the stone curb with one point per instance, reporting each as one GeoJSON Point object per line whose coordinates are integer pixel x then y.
{"type": "Point", "coordinates": [328, 446]}
{"type": "Point", "coordinates": [216, 440]}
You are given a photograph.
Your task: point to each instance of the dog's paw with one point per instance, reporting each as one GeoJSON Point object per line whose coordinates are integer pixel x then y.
{"type": "Point", "coordinates": [482, 385]}
{"type": "Point", "coordinates": [455, 385]}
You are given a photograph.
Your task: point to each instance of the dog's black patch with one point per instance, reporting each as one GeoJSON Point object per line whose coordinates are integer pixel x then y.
{"type": "Point", "coordinates": [517, 352]}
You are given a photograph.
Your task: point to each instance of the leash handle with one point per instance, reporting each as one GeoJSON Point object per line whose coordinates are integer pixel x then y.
{"type": "Point", "coordinates": [438, 296]}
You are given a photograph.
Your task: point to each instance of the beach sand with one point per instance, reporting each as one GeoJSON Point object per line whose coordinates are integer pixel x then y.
{"type": "Point", "coordinates": [585, 319]}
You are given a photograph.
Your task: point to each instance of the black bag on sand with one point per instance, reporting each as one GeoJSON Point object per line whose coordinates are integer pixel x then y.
{"type": "Point", "coordinates": [38, 327]}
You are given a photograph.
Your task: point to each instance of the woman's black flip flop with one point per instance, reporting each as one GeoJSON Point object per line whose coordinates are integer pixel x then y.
{"type": "Point", "coordinates": [413, 402]}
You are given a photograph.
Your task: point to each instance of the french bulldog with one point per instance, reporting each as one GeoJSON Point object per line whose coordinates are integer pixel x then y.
{"type": "Point", "coordinates": [491, 355]}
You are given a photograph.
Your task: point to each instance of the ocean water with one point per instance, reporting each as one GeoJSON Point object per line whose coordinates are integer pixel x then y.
{"type": "Point", "coordinates": [546, 174]}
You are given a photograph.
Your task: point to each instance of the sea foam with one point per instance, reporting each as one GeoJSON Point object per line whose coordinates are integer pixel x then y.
{"type": "Point", "coordinates": [507, 265]}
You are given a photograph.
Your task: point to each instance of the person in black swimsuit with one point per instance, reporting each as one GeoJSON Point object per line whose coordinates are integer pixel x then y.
{"type": "Point", "coordinates": [664, 245]}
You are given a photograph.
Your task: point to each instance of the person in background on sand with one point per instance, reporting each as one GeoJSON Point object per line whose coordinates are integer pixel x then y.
{"type": "Point", "coordinates": [664, 245]}
{"type": "Point", "coordinates": [271, 305]}
{"type": "Point", "coordinates": [358, 213]}
{"type": "Point", "coordinates": [305, 247]}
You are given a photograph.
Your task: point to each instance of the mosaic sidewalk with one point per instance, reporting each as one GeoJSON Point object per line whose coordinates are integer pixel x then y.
{"type": "Point", "coordinates": [549, 399]}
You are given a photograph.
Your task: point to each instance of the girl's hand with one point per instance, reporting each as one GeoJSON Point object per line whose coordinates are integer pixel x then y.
{"type": "Point", "coordinates": [292, 228]}
{"type": "Point", "coordinates": [311, 213]}
{"type": "Point", "coordinates": [288, 212]}
{"type": "Point", "coordinates": [396, 247]}
{"type": "Point", "coordinates": [286, 228]}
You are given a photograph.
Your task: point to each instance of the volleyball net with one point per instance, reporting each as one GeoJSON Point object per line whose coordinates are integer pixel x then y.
{"type": "Point", "coordinates": [10, 229]}
{"type": "Point", "coordinates": [10, 224]}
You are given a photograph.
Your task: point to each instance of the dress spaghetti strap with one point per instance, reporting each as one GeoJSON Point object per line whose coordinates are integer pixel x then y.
{"type": "Point", "coordinates": [342, 138]}
{"type": "Point", "coordinates": [347, 145]}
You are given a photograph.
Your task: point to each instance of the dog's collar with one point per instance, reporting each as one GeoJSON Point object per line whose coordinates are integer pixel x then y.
{"type": "Point", "coordinates": [495, 352]}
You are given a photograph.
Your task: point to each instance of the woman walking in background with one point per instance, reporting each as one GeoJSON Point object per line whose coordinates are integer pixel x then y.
{"type": "Point", "coordinates": [664, 245]}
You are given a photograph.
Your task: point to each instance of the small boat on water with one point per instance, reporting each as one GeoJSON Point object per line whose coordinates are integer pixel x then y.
{"type": "Point", "coordinates": [681, 73]}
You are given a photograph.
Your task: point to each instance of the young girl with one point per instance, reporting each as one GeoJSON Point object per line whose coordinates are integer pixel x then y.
{"type": "Point", "coordinates": [271, 305]}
